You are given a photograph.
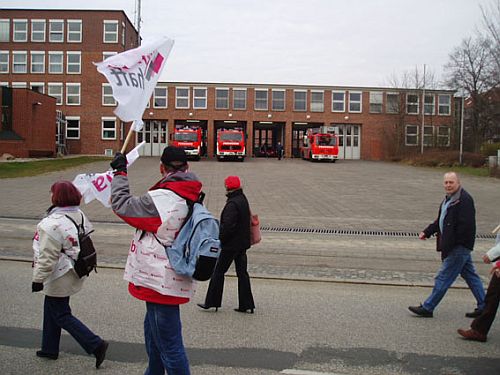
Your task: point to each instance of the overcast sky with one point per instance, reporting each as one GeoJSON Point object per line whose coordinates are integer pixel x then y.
{"type": "Point", "coordinates": [311, 42]}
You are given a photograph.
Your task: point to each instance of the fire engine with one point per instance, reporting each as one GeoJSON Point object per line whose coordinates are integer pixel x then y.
{"type": "Point", "coordinates": [231, 144]}
{"type": "Point", "coordinates": [320, 144]}
{"type": "Point", "coordinates": [190, 139]}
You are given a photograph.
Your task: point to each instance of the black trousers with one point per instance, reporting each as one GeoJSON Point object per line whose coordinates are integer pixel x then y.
{"type": "Point", "coordinates": [216, 286]}
{"type": "Point", "coordinates": [483, 322]}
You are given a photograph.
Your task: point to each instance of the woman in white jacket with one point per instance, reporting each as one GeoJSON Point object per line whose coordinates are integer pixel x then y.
{"type": "Point", "coordinates": [55, 247]}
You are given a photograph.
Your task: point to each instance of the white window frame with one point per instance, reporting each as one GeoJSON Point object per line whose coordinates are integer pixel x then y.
{"type": "Point", "coordinates": [14, 63]}
{"type": "Point", "coordinates": [53, 32]}
{"type": "Point", "coordinates": [42, 63]}
{"type": "Point", "coordinates": [105, 55]}
{"type": "Point", "coordinates": [315, 105]}
{"type": "Point", "coordinates": [16, 22]}
{"type": "Point", "coordinates": [416, 135]}
{"type": "Point", "coordinates": [200, 99]}
{"type": "Point", "coordinates": [295, 101]}
{"type": "Point", "coordinates": [4, 21]}
{"type": "Point", "coordinates": [446, 105]}
{"type": "Point", "coordinates": [5, 66]}
{"type": "Point", "coordinates": [182, 97]}
{"type": "Point", "coordinates": [244, 91]}
{"type": "Point", "coordinates": [61, 64]}
{"type": "Point", "coordinates": [388, 104]}
{"type": "Point", "coordinates": [38, 84]}
{"type": "Point", "coordinates": [221, 89]}
{"type": "Point", "coordinates": [432, 105]}
{"type": "Point", "coordinates": [18, 85]}
{"type": "Point", "coordinates": [156, 95]}
{"type": "Point", "coordinates": [428, 136]}
{"type": "Point", "coordinates": [441, 136]}
{"type": "Point", "coordinates": [103, 129]}
{"type": "Point", "coordinates": [38, 32]}
{"type": "Point", "coordinates": [279, 108]}
{"type": "Point", "coordinates": [360, 101]}
{"type": "Point", "coordinates": [72, 118]}
{"type": "Point", "coordinates": [106, 33]}
{"type": "Point", "coordinates": [377, 101]}
{"type": "Point", "coordinates": [68, 94]}
{"type": "Point", "coordinates": [108, 99]}
{"type": "Point", "coordinates": [72, 33]}
{"type": "Point", "coordinates": [73, 64]}
{"type": "Point", "coordinates": [408, 103]}
{"type": "Point", "coordinates": [336, 101]}
{"type": "Point", "coordinates": [59, 96]}
{"type": "Point", "coordinates": [123, 34]}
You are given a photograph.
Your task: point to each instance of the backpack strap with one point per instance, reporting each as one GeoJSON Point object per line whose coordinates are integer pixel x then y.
{"type": "Point", "coordinates": [78, 227]}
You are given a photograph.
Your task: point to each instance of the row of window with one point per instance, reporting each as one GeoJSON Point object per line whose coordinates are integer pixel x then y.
{"type": "Point", "coordinates": [108, 128]}
{"type": "Point", "coordinates": [53, 30]}
{"type": "Point", "coordinates": [433, 135]}
{"type": "Point", "coordinates": [55, 89]}
{"type": "Point", "coordinates": [37, 62]}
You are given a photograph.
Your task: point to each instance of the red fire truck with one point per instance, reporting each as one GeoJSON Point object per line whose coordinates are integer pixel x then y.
{"type": "Point", "coordinates": [190, 139]}
{"type": "Point", "coordinates": [230, 144]}
{"type": "Point", "coordinates": [320, 144]}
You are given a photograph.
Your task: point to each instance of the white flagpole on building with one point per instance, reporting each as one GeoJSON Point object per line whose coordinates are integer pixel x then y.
{"type": "Point", "coordinates": [423, 115]}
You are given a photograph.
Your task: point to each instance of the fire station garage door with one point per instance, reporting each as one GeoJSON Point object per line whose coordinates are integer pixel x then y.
{"type": "Point", "coordinates": [349, 141]}
{"type": "Point", "coordinates": [154, 133]}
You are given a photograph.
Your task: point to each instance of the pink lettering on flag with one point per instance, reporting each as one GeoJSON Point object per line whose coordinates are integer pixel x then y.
{"type": "Point", "coordinates": [99, 183]}
{"type": "Point", "coordinates": [157, 63]}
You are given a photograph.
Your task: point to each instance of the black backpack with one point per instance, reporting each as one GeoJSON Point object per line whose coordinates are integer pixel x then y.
{"type": "Point", "coordinates": [87, 257]}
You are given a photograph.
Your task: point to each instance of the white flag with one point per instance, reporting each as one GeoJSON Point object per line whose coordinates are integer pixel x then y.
{"type": "Point", "coordinates": [133, 75]}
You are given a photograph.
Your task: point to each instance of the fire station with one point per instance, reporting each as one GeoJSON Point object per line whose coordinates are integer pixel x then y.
{"type": "Point", "coordinates": [52, 52]}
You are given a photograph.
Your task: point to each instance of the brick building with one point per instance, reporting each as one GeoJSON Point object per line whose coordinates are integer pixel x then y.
{"type": "Point", "coordinates": [54, 50]}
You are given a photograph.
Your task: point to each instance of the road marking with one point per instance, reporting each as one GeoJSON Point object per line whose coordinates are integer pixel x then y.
{"type": "Point", "coordinates": [305, 372]}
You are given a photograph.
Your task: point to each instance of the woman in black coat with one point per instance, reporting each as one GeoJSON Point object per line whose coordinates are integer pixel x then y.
{"type": "Point", "coordinates": [235, 240]}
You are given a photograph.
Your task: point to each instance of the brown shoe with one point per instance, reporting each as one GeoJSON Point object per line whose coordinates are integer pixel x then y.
{"type": "Point", "coordinates": [472, 334]}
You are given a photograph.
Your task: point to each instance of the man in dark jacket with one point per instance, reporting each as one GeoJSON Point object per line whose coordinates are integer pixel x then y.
{"type": "Point", "coordinates": [455, 227]}
{"type": "Point", "coordinates": [235, 241]}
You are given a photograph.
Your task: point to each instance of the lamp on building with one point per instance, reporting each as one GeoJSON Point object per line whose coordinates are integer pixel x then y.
{"type": "Point", "coordinates": [346, 118]}
{"type": "Point", "coordinates": [230, 115]}
{"type": "Point", "coordinates": [308, 117]}
{"type": "Point", "coordinates": [151, 113]}
{"type": "Point", "coordinates": [36, 103]}
{"type": "Point", "coordinates": [190, 114]}
{"type": "Point", "coordinates": [269, 115]}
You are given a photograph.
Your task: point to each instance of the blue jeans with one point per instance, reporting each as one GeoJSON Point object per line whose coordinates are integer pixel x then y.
{"type": "Point", "coordinates": [163, 336]}
{"type": "Point", "coordinates": [458, 262]}
{"type": "Point", "coordinates": [57, 315]}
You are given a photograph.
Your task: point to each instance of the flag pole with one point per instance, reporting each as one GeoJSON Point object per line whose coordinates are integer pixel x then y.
{"type": "Point", "coordinates": [127, 140]}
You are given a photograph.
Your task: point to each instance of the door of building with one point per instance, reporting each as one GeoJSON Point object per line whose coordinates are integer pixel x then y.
{"type": "Point", "coordinates": [349, 141]}
{"type": "Point", "coordinates": [154, 132]}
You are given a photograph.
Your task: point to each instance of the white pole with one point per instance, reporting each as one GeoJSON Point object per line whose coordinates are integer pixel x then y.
{"type": "Point", "coordinates": [423, 115]}
{"type": "Point", "coordinates": [139, 20]}
{"type": "Point", "coordinates": [462, 130]}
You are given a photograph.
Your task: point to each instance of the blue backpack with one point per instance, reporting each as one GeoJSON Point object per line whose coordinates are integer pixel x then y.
{"type": "Point", "coordinates": [196, 248]}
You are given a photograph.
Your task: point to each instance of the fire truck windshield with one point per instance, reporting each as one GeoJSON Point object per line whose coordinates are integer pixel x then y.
{"type": "Point", "coordinates": [230, 137]}
{"type": "Point", "coordinates": [326, 140]}
{"type": "Point", "coordinates": [186, 137]}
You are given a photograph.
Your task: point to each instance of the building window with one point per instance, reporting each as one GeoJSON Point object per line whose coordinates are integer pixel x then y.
{"type": "Point", "coordinates": [355, 101]}
{"type": "Point", "coordinates": [221, 98]}
{"type": "Point", "coordinates": [105, 55]}
{"type": "Point", "coordinates": [56, 90]}
{"type": "Point", "coordinates": [72, 127]}
{"type": "Point", "coordinates": [444, 105]}
{"type": "Point", "coordinates": [109, 128]}
{"type": "Point", "coordinates": [261, 99]}
{"type": "Point", "coordinates": [110, 32]}
{"type": "Point", "coordinates": [299, 100]}
{"type": "Point", "coordinates": [73, 62]}
{"type": "Point", "coordinates": [338, 101]}
{"type": "Point", "coordinates": [38, 87]}
{"type": "Point", "coordinates": [317, 101]}
{"type": "Point", "coordinates": [182, 97]}
{"type": "Point", "coordinates": [429, 104]}
{"type": "Point", "coordinates": [18, 85]}
{"type": "Point", "coordinates": [37, 62]}
{"type": "Point", "coordinates": [38, 30]}
{"type": "Point", "coordinates": [4, 30]}
{"type": "Point", "coordinates": [19, 62]}
{"type": "Point", "coordinates": [20, 30]}
{"type": "Point", "coordinates": [411, 135]}
{"type": "Point", "coordinates": [107, 95]}
{"type": "Point", "coordinates": [278, 100]}
{"type": "Point", "coordinates": [200, 97]}
{"type": "Point", "coordinates": [392, 102]}
{"type": "Point", "coordinates": [376, 101]}
{"type": "Point", "coordinates": [72, 93]}
{"type": "Point", "coordinates": [123, 34]}
{"type": "Point", "coordinates": [160, 96]}
{"type": "Point", "coordinates": [56, 31]}
{"type": "Point", "coordinates": [4, 61]}
{"type": "Point", "coordinates": [240, 99]}
{"type": "Point", "coordinates": [428, 136]}
{"type": "Point", "coordinates": [443, 136]}
{"type": "Point", "coordinates": [412, 104]}
{"type": "Point", "coordinates": [55, 62]}
{"type": "Point", "coordinates": [74, 31]}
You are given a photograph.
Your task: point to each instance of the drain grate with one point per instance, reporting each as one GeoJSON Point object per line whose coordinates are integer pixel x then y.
{"type": "Point", "coordinates": [350, 232]}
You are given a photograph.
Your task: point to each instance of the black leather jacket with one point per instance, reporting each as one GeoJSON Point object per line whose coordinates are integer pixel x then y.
{"type": "Point", "coordinates": [235, 222]}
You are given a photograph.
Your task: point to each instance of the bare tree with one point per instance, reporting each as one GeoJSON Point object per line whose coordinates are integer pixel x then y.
{"type": "Point", "coordinates": [491, 24]}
